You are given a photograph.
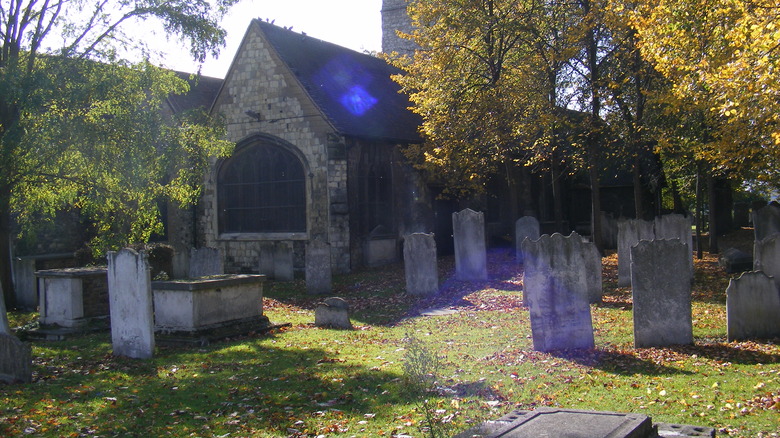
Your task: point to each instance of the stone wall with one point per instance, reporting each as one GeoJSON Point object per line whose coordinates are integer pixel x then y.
{"type": "Point", "coordinates": [394, 17]}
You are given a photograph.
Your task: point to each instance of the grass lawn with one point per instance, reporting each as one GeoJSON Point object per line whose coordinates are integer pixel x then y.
{"type": "Point", "coordinates": [308, 381]}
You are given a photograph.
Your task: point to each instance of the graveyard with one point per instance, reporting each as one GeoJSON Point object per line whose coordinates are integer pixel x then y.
{"type": "Point", "coordinates": [412, 364]}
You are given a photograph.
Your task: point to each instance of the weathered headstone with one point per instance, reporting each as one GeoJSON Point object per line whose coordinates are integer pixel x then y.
{"type": "Point", "coordinates": [333, 312]}
{"type": "Point", "coordinates": [556, 292]}
{"type": "Point", "coordinates": [766, 256]}
{"type": "Point", "coordinates": [420, 265]}
{"type": "Point", "coordinates": [205, 262]}
{"type": "Point", "coordinates": [526, 226]}
{"type": "Point", "coordinates": [766, 221]}
{"type": "Point", "coordinates": [130, 299]}
{"type": "Point", "coordinates": [661, 291]}
{"type": "Point", "coordinates": [609, 231]}
{"type": "Point", "coordinates": [593, 270]}
{"type": "Point", "coordinates": [734, 260]}
{"type": "Point", "coordinates": [470, 252]}
{"type": "Point", "coordinates": [752, 307]}
{"type": "Point", "coordinates": [283, 261]}
{"type": "Point", "coordinates": [630, 232]}
{"type": "Point", "coordinates": [25, 284]}
{"type": "Point", "coordinates": [15, 360]}
{"type": "Point", "coordinates": [676, 226]}
{"type": "Point", "coordinates": [318, 270]}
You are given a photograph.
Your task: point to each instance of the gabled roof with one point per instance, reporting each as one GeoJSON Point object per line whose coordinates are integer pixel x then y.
{"type": "Point", "coordinates": [353, 90]}
{"type": "Point", "coordinates": [203, 91]}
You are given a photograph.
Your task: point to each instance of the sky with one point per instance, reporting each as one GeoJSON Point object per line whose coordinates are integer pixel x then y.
{"type": "Point", "coordinates": [355, 24]}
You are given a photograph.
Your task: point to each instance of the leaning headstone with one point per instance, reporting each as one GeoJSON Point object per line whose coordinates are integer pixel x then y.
{"type": "Point", "coordinates": [470, 252]}
{"type": "Point", "coordinates": [318, 270]}
{"type": "Point", "coordinates": [526, 226]}
{"type": "Point", "coordinates": [676, 226]}
{"type": "Point", "coordinates": [130, 304]}
{"type": "Point", "coordinates": [205, 262]}
{"type": "Point", "coordinates": [333, 312]}
{"type": "Point", "coordinates": [15, 360]}
{"type": "Point", "coordinates": [766, 221]}
{"type": "Point", "coordinates": [420, 265]}
{"type": "Point", "coordinates": [593, 270]}
{"type": "Point", "coordinates": [630, 232]}
{"type": "Point", "coordinates": [766, 256]}
{"type": "Point", "coordinates": [556, 292]}
{"type": "Point", "coordinates": [752, 307]}
{"type": "Point", "coordinates": [661, 291]}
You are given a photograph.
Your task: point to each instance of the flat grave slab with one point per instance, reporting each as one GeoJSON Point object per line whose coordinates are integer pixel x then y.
{"type": "Point", "coordinates": [572, 423]}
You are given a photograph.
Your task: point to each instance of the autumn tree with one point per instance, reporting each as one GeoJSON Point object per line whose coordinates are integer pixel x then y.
{"type": "Point", "coordinates": [80, 127]}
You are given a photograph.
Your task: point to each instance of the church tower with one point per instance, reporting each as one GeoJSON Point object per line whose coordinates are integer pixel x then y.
{"type": "Point", "coordinates": [394, 17]}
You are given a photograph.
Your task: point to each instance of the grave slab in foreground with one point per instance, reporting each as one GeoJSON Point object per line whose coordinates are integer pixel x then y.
{"type": "Point", "coordinates": [571, 423]}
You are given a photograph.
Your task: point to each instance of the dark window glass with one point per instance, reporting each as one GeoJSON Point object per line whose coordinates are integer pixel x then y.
{"type": "Point", "coordinates": [262, 189]}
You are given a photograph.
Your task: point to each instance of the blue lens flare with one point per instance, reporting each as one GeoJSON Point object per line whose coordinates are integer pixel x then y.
{"type": "Point", "coordinates": [347, 82]}
{"type": "Point", "coordinates": [357, 100]}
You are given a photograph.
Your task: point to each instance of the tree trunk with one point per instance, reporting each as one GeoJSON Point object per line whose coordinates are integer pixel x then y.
{"type": "Point", "coordinates": [713, 196]}
{"type": "Point", "coordinates": [699, 213]}
{"type": "Point", "coordinates": [557, 201]}
{"type": "Point", "coordinates": [639, 196]}
{"type": "Point", "coordinates": [6, 285]}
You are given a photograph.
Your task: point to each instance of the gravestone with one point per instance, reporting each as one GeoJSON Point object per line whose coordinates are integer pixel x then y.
{"type": "Point", "coordinates": [630, 232]}
{"type": "Point", "coordinates": [25, 284]}
{"type": "Point", "coordinates": [205, 262]}
{"type": "Point", "coordinates": [593, 271]}
{"type": "Point", "coordinates": [752, 307]}
{"type": "Point", "coordinates": [766, 221]}
{"type": "Point", "coordinates": [661, 291]}
{"type": "Point", "coordinates": [130, 300]}
{"type": "Point", "coordinates": [469, 237]}
{"type": "Point", "coordinates": [333, 312]}
{"type": "Point", "coordinates": [15, 360]}
{"type": "Point", "coordinates": [276, 260]}
{"type": "Point", "coordinates": [676, 226]}
{"type": "Point", "coordinates": [556, 292]}
{"type": "Point", "coordinates": [609, 231]}
{"type": "Point", "coordinates": [420, 265]}
{"type": "Point", "coordinates": [526, 226]}
{"type": "Point", "coordinates": [766, 256]}
{"type": "Point", "coordinates": [318, 271]}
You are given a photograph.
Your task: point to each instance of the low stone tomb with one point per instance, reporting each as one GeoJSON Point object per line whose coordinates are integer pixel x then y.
{"type": "Point", "coordinates": [661, 291]}
{"type": "Point", "coordinates": [630, 232]}
{"type": "Point", "coordinates": [211, 307]}
{"type": "Point", "coordinates": [766, 256]}
{"type": "Point", "coordinates": [420, 264]}
{"type": "Point", "coordinates": [766, 221]}
{"type": "Point", "coordinates": [130, 299]}
{"type": "Point", "coordinates": [573, 423]}
{"type": "Point", "coordinates": [333, 312]}
{"type": "Point", "coordinates": [734, 260]}
{"type": "Point", "coordinates": [556, 292]}
{"type": "Point", "coordinates": [319, 278]}
{"type": "Point", "coordinates": [470, 250]}
{"type": "Point", "coordinates": [72, 297]}
{"type": "Point", "coordinates": [752, 307]}
{"type": "Point", "coordinates": [15, 360]}
{"type": "Point", "coordinates": [525, 227]}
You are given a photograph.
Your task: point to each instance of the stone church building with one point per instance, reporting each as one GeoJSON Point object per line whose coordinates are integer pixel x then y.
{"type": "Point", "coordinates": [318, 131]}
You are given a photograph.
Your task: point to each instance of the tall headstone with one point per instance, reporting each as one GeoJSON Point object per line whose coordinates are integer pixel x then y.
{"type": "Point", "coordinates": [15, 360]}
{"type": "Point", "coordinates": [630, 232]}
{"type": "Point", "coordinates": [420, 265]}
{"type": "Point", "coordinates": [752, 307]}
{"type": "Point", "coordinates": [676, 226]}
{"type": "Point", "coordinates": [661, 290]}
{"type": "Point", "coordinates": [318, 270]}
{"type": "Point", "coordinates": [205, 262]}
{"type": "Point", "coordinates": [593, 270]}
{"type": "Point", "coordinates": [130, 303]}
{"type": "Point", "coordinates": [556, 292]}
{"type": "Point", "coordinates": [766, 256]}
{"type": "Point", "coordinates": [766, 221]}
{"type": "Point", "coordinates": [470, 252]}
{"type": "Point", "coordinates": [25, 284]}
{"type": "Point", "coordinates": [526, 226]}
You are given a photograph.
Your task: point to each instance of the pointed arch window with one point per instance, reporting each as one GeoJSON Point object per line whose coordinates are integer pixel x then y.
{"type": "Point", "coordinates": [262, 189]}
